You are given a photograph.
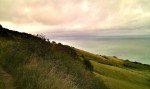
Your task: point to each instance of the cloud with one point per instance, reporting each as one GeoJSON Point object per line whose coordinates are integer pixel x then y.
{"type": "Point", "coordinates": [79, 15]}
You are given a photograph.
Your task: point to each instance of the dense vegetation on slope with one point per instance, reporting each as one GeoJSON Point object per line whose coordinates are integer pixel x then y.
{"type": "Point", "coordinates": [33, 62]}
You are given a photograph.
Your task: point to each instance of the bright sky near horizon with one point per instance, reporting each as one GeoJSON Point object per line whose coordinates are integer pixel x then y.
{"type": "Point", "coordinates": [81, 16]}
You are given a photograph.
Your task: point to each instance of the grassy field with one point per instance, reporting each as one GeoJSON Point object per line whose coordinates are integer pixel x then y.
{"type": "Point", "coordinates": [115, 74]}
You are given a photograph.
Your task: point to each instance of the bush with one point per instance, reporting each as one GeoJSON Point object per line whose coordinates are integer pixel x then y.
{"type": "Point", "coordinates": [88, 64]}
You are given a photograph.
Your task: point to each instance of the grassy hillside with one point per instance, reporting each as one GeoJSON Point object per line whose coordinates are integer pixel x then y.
{"type": "Point", "coordinates": [117, 73]}
{"type": "Point", "coordinates": [33, 62]}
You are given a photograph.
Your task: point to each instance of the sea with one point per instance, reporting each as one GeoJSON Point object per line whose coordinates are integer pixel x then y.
{"type": "Point", "coordinates": [133, 48]}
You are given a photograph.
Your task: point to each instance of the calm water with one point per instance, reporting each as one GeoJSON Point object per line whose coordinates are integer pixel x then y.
{"type": "Point", "coordinates": [134, 49]}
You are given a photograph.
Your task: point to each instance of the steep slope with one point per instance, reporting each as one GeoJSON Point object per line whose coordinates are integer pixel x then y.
{"type": "Point", "coordinates": [34, 62]}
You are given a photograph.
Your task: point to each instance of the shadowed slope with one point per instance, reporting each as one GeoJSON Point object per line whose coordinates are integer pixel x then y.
{"type": "Point", "coordinates": [36, 63]}
{"type": "Point", "coordinates": [6, 80]}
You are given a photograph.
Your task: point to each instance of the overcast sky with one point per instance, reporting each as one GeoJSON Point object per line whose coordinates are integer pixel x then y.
{"type": "Point", "coordinates": [78, 16]}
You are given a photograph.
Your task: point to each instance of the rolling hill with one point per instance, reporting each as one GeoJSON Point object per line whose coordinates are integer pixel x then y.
{"type": "Point", "coordinates": [34, 62]}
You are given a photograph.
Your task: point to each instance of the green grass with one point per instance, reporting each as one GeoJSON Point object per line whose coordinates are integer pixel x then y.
{"type": "Point", "coordinates": [117, 76]}
{"type": "Point", "coordinates": [113, 83]}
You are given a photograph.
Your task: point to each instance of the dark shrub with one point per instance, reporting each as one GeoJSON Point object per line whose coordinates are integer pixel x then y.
{"type": "Point", "coordinates": [105, 57]}
{"type": "Point", "coordinates": [137, 62]}
{"type": "Point", "coordinates": [128, 65]}
{"type": "Point", "coordinates": [88, 64]}
{"type": "Point", "coordinates": [115, 57]}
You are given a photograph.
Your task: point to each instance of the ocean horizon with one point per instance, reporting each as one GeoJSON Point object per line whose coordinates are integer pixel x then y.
{"type": "Point", "coordinates": [133, 48]}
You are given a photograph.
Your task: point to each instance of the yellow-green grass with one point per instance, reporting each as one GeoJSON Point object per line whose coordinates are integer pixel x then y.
{"type": "Point", "coordinates": [113, 61]}
{"type": "Point", "coordinates": [99, 58]}
{"type": "Point", "coordinates": [113, 83]}
{"type": "Point", "coordinates": [119, 78]}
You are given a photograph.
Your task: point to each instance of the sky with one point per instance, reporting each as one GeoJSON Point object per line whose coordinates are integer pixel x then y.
{"type": "Point", "coordinates": [83, 17]}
